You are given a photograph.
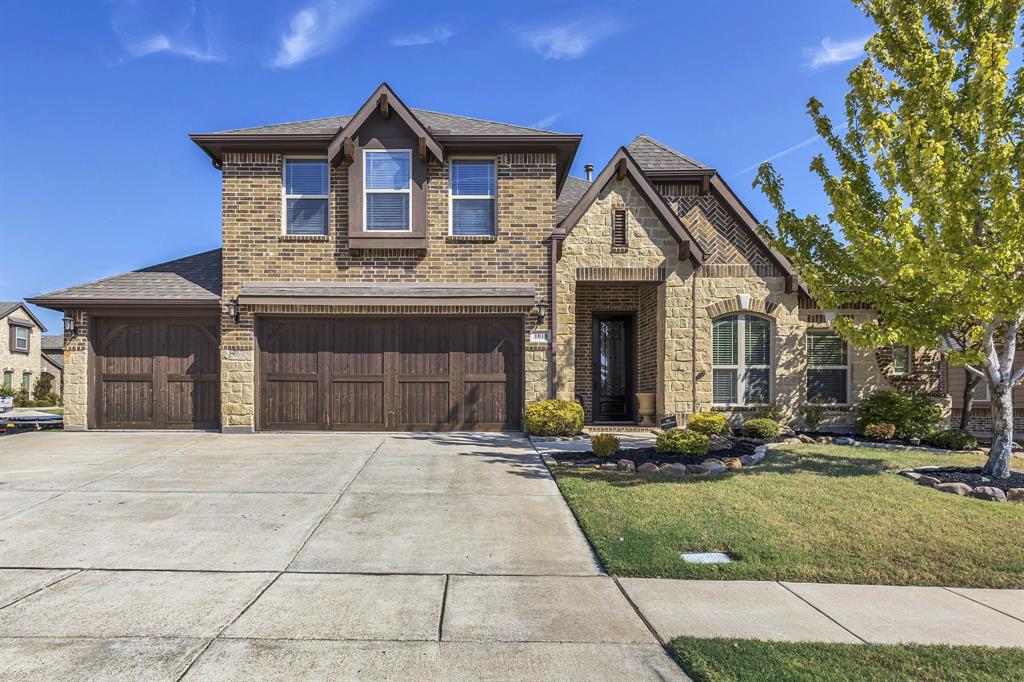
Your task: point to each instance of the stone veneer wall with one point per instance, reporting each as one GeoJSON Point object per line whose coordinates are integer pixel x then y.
{"type": "Point", "coordinates": [610, 297]}
{"type": "Point", "coordinates": [76, 373]}
{"type": "Point", "coordinates": [20, 363]}
{"type": "Point", "coordinates": [256, 250]}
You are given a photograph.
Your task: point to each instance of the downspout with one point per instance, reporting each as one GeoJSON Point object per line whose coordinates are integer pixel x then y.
{"type": "Point", "coordinates": [693, 340]}
{"type": "Point", "coordinates": [553, 284]}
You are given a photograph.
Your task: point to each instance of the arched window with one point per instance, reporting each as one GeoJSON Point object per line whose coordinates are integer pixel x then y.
{"type": "Point", "coordinates": [741, 360]}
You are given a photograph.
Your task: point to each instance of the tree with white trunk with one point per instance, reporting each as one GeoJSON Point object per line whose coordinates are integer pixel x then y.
{"type": "Point", "coordinates": [927, 213]}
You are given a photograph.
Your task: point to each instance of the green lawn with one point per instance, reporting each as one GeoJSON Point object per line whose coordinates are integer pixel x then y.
{"type": "Point", "coordinates": [50, 410]}
{"type": "Point", "coordinates": [719, 660]}
{"type": "Point", "coordinates": [811, 513]}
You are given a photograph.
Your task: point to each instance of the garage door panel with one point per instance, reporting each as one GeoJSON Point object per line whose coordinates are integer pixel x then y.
{"type": "Point", "coordinates": [357, 403]}
{"type": "Point", "coordinates": [424, 404]}
{"type": "Point", "coordinates": [357, 348]}
{"type": "Point", "coordinates": [292, 404]}
{"type": "Point", "coordinates": [489, 349]}
{"type": "Point", "coordinates": [156, 373]}
{"type": "Point", "coordinates": [293, 348]}
{"type": "Point", "coordinates": [486, 402]}
{"type": "Point", "coordinates": [424, 348]}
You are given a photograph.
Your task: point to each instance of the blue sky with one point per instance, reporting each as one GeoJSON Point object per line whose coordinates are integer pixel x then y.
{"type": "Point", "coordinates": [98, 176]}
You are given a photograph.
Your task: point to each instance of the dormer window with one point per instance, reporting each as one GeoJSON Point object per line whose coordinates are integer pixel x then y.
{"type": "Point", "coordinates": [305, 196]}
{"type": "Point", "coordinates": [388, 190]}
{"type": "Point", "coordinates": [473, 197]}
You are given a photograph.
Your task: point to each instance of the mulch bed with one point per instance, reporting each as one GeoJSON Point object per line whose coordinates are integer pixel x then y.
{"type": "Point", "coordinates": [641, 455]}
{"type": "Point", "coordinates": [974, 477]}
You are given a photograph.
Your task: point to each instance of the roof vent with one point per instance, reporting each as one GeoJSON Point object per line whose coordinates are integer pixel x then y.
{"type": "Point", "coordinates": [589, 168]}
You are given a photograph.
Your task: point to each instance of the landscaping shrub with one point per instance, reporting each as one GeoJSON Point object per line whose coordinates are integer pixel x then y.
{"type": "Point", "coordinates": [952, 439]}
{"type": "Point", "coordinates": [915, 415]}
{"type": "Point", "coordinates": [682, 442]}
{"type": "Point", "coordinates": [813, 414]}
{"type": "Point", "coordinates": [554, 418]}
{"type": "Point", "coordinates": [21, 398]}
{"type": "Point", "coordinates": [764, 429]}
{"type": "Point", "coordinates": [769, 411]}
{"type": "Point", "coordinates": [883, 431]}
{"type": "Point", "coordinates": [708, 423]}
{"type": "Point", "coordinates": [43, 386]}
{"type": "Point", "coordinates": [604, 444]}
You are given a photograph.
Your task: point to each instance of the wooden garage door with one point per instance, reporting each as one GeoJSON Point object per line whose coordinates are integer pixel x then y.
{"type": "Point", "coordinates": [431, 374]}
{"type": "Point", "coordinates": [156, 373]}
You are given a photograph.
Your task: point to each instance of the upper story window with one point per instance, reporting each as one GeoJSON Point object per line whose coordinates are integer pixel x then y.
{"type": "Point", "coordinates": [741, 360]}
{"type": "Point", "coordinates": [20, 339]}
{"type": "Point", "coordinates": [387, 189]}
{"type": "Point", "coordinates": [473, 197]}
{"type": "Point", "coordinates": [306, 184]}
{"type": "Point", "coordinates": [828, 367]}
{"type": "Point", "coordinates": [901, 359]}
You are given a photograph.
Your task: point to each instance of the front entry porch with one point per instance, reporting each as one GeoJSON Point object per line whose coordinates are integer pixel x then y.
{"type": "Point", "coordinates": [616, 349]}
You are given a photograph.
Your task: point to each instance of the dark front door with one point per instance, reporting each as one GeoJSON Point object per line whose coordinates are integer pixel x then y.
{"type": "Point", "coordinates": [613, 368]}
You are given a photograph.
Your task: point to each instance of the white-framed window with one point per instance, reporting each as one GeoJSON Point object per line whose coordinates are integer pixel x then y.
{"type": "Point", "coordinates": [387, 190]}
{"type": "Point", "coordinates": [901, 360]}
{"type": "Point", "coordinates": [828, 368]}
{"type": "Point", "coordinates": [981, 392]}
{"type": "Point", "coordinates": [21, 337]}
{"type": "Point", "coordinates": [741, 360]}
{"type": "Point", "coordinates": [473, 197]}
{"type": "Point", "coordinates": [306, 186]}
{"type": "Point", "coordinates": [26, 380]}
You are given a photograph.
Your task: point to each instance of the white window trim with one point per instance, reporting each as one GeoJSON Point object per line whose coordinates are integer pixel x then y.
{"type": "Point", "coordinates": [407, 191]}
{"type": "Point", "coordinates": [452, 197]}
{"type": "Point", "coordinates": [285, 196]}
{"type": "Point", "coordinates": [898, 372]}
{"type": "Point", "coordinates": [741, 358]}
{"type": "Point", "coordinates": [28, 337]}
{"type": "Point", "coordinates": [849, 378]}
{"type": "Point", "coordinates": [982, 388]}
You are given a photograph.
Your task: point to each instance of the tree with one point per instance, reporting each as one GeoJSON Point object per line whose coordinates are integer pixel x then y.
{"type": "Point", "coordinates": [926, 203]}
{"type": "Point", "coordinates": [44, 384]}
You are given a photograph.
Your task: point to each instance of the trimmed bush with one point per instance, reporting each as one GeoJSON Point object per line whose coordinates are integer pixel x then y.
{"type": "Point", "coordinates": [764, 429]}
{"type": "Point", "coordinates": [708, 423]}
{"type": "Point", "coordinates": [604, 444]}
{"type": "Point", "coordinates": [813, 414]}
{"type": "Point", "coordinates": [915, 415]}
{"type": "Point", "coordinates": [952, 439]}
{"type": "Point", "coordinates": [682, 442]}
{"type": "Point", "coordinates": [769, 411]}
{"type": "Point", "coordinates": [554, 418]}
{"type": "Point", "coordinates": [883, 431]}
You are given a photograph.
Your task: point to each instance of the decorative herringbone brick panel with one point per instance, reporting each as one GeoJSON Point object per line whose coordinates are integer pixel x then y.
{"type": "Point", "coordinates": [723, 239]}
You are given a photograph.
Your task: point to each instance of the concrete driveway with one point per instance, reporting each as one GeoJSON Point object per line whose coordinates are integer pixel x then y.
{"type": "Point", "coordinates": [370, 556]}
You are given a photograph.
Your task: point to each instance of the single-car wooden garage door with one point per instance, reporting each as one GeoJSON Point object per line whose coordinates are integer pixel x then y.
{"type": "Point", "coordinates": [156, 373]}
{"type": "Point", "coordinates": [430, 373]}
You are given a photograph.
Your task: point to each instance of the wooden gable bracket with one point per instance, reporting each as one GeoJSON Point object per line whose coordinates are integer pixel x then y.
{"type": "Point", "coordinates": [790, 284]}
{"type": "Point", "coordinates": [348, 148]}
{"type": "Point", "coordinates": [385, 112]}
{"type": "Point", "coordinates": [705, 185]}
{"type": "Point", "coordinates": [684, 251]}
{"type": "Point", "coordinates": [620, 170]}
{"type": "Point", "coordinates": [423, 149]}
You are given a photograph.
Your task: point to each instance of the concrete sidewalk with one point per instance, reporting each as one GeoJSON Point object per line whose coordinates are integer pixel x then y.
{"type": "Point", "coordinates": [819, 612]}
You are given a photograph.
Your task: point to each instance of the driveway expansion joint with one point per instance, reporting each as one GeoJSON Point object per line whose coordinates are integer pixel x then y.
{"type": "Point", "coordinates": [786, 587]}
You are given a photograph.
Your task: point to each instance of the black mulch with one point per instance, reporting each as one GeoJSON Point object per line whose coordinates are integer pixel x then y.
{"type": "Point", "coordinates": [974, 477]}
{"type": "Point", "coordinates": [641, 455]}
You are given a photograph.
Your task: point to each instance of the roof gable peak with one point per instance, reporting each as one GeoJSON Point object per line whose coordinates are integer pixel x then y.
{"type": "Point", "coordinates": [385, 101]}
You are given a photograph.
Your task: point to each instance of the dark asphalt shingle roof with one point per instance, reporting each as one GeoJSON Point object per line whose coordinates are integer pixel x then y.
{"type": "Point", "coordinates": [52, 342]}
{"type": "Point", "coordinates": [438, 123]}
{"type": "Point", "coordinates": [572, 190]}
{"type": "Point", "coordinates": [8, 307]}
{"type": "Point", "coordinates": [192, 278]}
{"type": "Point", "coordinates": [652, 155]}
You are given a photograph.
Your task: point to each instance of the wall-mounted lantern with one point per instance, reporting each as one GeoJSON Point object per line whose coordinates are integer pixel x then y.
{"type": "Point", "coordinates": [233, 310]}
{"type": "Point", "coordinates": [543, 308]}
{"type": "Point", "coordinates": [70, 329]}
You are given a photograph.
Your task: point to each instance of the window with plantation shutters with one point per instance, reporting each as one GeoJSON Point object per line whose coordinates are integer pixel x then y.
{"type": "Point", "coordinates": [901, 359]}
{"type": "Point", "coordinates": [741, 360]}
{"type": "Point", "coordinates": [473, 197]}
{"type": "Point", "coordinates": [306, 184]}
{"type": "Point", "coordinates": [619, 235]}
{"type": "Point", "coordinates": [387, 188]}
{"type": "Point", "coordinates": [827, 367]}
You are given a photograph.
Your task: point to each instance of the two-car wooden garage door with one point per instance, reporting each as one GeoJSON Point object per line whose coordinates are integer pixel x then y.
{"type": "Point", "coordinates": [349, 373]}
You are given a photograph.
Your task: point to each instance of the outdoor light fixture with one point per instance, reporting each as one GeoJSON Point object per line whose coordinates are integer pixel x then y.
{"type": "Point", "coordinates": [233, 310]}
{"type": "Point", "coordinates": [542, 310]}
{"type": "Point", "coordinates": [69, 326]}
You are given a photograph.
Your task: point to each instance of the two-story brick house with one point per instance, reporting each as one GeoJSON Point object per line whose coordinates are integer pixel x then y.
{"type": "Point", "coordinates": [407, 269]}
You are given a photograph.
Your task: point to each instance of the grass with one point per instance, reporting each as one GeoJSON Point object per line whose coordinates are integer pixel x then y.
{"type": "Point", "coordinates": [50, 410]}
{"type": "Point", "coordinates": [721, 660]}
{"type": "Point", "coordinates": [811, 513]}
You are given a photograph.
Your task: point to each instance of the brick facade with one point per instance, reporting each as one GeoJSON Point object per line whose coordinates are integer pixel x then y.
{"type": "Point", "coordinates": [256, 250]}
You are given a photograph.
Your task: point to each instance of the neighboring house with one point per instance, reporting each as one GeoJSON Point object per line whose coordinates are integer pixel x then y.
{"type": "Point", "coordinates": [20, 354]}
{"type": "Point", "coordinates": [52, 357]}
{"type": "Point", "coordinates": [980, 421]}
{"type": "Point", "coordinates": [407, 269]}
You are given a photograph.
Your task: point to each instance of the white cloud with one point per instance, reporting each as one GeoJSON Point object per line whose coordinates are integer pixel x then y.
{"type": "Point", "coordinates": [831, 52]}
{"type": "Point", "coordinates": [546, 121]}
{"type": "Point", "coordinates": [146, 28]}
{"type": "Point", "coordinates": [568, 41]}
{"type": "Point", "coordinates": [317, 28]}
{"type": "Point", "coordinates": [438, 34]}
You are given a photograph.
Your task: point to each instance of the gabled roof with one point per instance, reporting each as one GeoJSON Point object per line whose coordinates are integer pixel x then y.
{"type": "Point", "coordinates": [386, 101]}
{"type": "Point", "coordinates": [654, 157]}
{"type": "Point", "coordinates": [622, 165]}
{"type": "Point", "coordinates": [52, 342]}
{"type": "Point", "coordinates": [8, 307]}
{"type": "Point", "coordinates": [192, 280]}
{"type": "Point", "coordinates": [571, 192]}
